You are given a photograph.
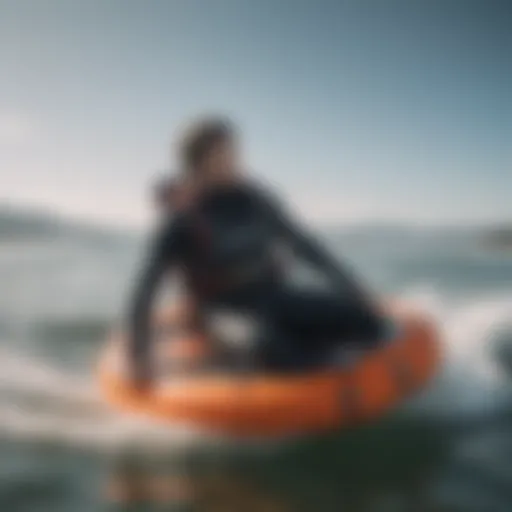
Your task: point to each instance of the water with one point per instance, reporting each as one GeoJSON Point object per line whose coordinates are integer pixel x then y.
{"type": "Point", "coordinates": [62, 448]}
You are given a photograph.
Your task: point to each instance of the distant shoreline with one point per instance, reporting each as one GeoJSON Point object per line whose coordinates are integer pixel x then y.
{"type": "Point", "coordinates": [499, 239]}
{"type": "Point", "coordinates": [19, 221]}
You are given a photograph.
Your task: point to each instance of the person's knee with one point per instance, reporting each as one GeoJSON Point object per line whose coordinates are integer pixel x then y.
{"type": "Point", "coordinates": [374, 326]}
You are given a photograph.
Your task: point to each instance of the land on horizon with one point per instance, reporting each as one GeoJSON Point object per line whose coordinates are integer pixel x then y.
{"type": "Point", "coordinates": [23, 221]}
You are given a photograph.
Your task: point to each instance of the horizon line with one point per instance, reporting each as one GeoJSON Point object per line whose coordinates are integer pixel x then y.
{"type": "Point", "coordinates": [65, 215]}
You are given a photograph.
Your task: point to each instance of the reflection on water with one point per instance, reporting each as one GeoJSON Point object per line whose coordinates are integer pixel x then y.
{"type": "Point", "coordinates": [390, 467]}
{"type": "Point", "coordinates": [208, 491]}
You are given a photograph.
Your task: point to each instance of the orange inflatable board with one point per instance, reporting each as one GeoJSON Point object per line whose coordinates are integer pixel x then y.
{"type": "Point", "coordinates": [270, 404]}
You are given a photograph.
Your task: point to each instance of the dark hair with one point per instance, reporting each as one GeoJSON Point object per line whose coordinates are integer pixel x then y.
{"type": "Point", "coordinates": [201, 137]}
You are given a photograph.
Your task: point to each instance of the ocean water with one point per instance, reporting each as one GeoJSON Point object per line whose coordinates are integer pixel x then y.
{"type": "Point", "coordinates": [63, 449]}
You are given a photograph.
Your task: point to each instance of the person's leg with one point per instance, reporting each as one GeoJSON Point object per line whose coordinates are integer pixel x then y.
{"type": "Point", "coordinates": [275, 345]}
{"type": "Point", "coordinates": [320, 317]}
{"type": "Point", "coordinates": [298, 326]}
{"type": "Point", "coordinates": [278, 349]}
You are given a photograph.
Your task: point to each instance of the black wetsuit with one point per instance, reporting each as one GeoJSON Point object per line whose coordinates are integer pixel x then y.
{"type": "Point", "coordinates": [226, 245]}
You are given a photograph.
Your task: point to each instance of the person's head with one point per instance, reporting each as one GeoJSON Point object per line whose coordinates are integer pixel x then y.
{"type": "Point", "coordinates": [209, 152]}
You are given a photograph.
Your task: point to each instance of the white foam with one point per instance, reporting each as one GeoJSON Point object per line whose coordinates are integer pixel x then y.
{"type": "Point", "coordinates": [472, 381]}
{"type": "Point", "coordinates": [41, 402]}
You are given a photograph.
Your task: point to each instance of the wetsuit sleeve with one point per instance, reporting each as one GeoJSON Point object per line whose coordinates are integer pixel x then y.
{"type": "Point", "coordinates": [312, 251]}
{"type": "Point", "coordinates": [163, 252]}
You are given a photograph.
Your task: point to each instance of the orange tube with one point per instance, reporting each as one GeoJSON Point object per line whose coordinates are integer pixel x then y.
{"type": "Point", "coordinates": [271, 404]}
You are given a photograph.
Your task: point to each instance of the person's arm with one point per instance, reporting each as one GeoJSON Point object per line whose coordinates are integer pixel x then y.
{"type": "Point", "coordinates": [311, 250]}
{"type": "Point", "coordinates": [162, 254]}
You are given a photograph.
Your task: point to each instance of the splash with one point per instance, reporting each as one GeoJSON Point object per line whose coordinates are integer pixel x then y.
{"type": "Point", "coordinates": [474, 381]}
{"type": "Point", "coordinates": [43, 402]}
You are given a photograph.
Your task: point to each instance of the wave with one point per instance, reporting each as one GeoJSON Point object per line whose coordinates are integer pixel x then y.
{"type": "Point", "coordinates": [476, 334]}
{"type": "Point", "coordinates": [41, 401]}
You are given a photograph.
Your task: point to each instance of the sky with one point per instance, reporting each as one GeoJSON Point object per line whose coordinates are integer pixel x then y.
{"type": "Point", "coordinates": [362, 110]}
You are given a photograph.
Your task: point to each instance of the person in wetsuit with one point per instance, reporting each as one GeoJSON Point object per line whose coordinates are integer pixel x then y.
{"type": "Point", "coordinates": [224, 238]}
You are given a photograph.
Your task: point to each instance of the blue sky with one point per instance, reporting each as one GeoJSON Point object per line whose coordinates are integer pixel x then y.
{"type": "Point", "coordinates": [358, 110]}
